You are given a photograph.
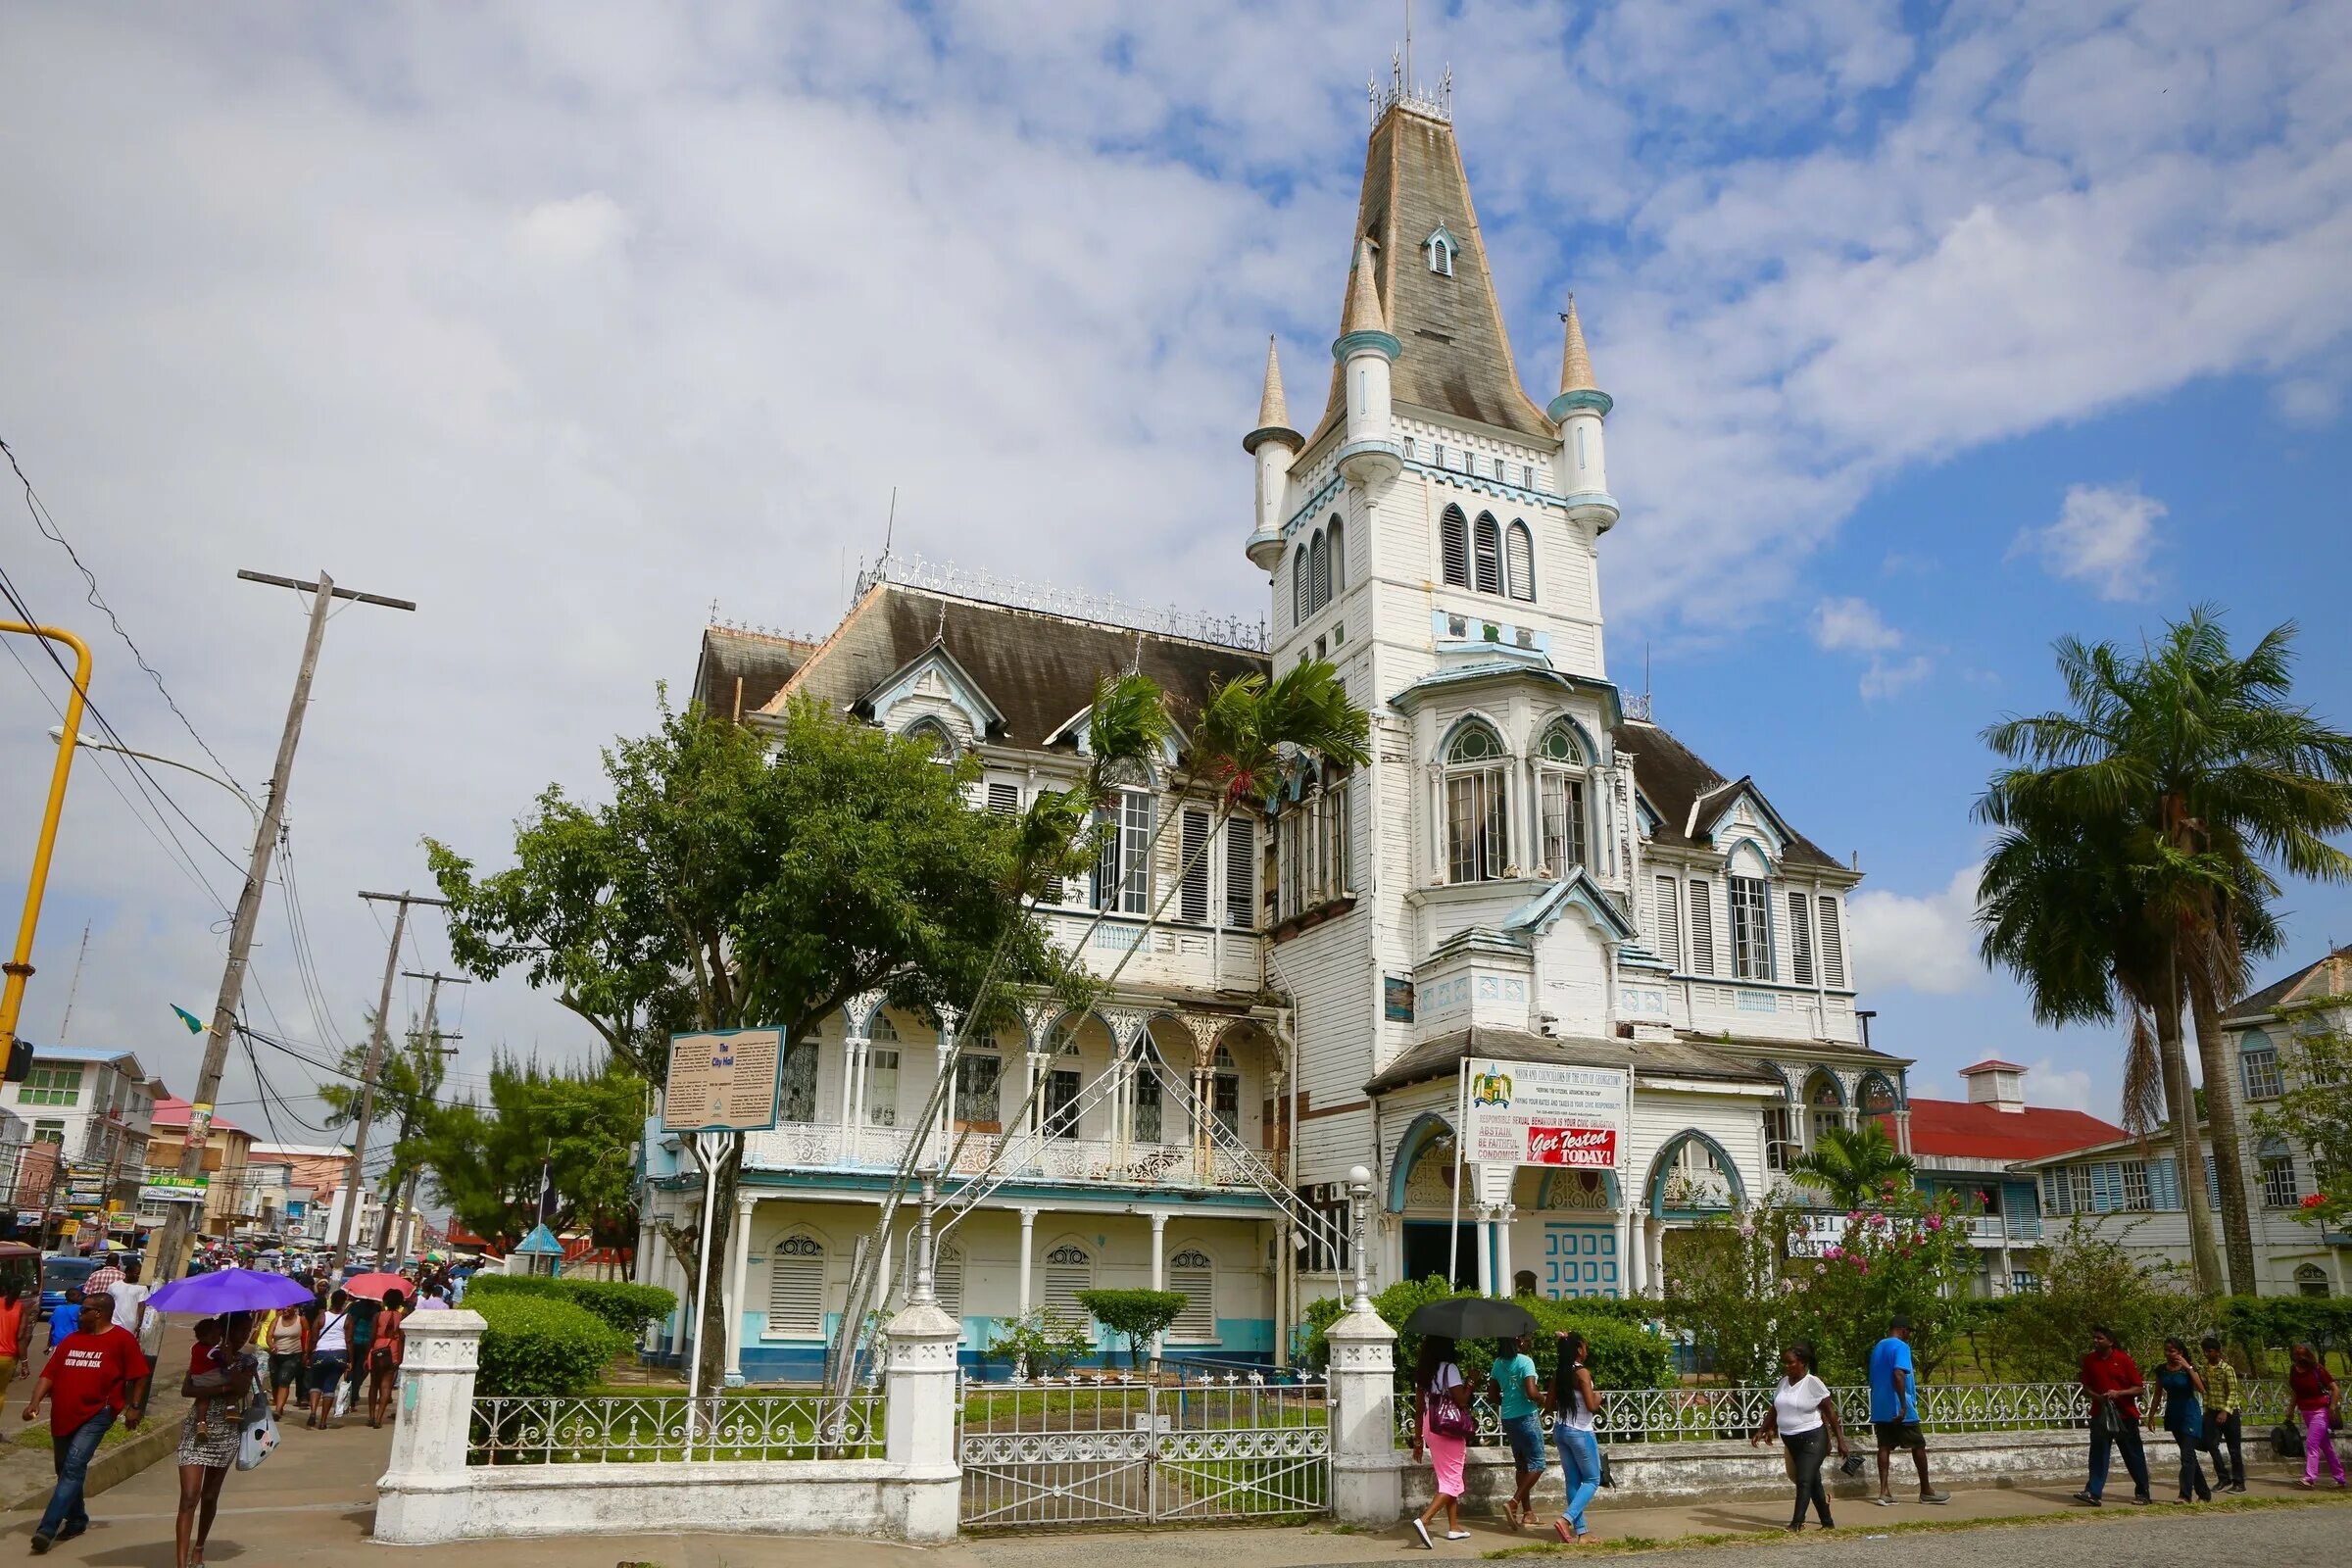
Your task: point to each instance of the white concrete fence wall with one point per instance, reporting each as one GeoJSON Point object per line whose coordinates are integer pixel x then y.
{"type": "Point", "coordinates": [430, 1494]}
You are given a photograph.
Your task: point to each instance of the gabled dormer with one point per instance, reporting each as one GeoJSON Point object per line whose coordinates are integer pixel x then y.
{"type": "Point", "coordinates": [932, 690]}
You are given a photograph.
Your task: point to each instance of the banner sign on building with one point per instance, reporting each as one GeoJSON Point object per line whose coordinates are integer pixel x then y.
{"type": "Point", "coordinates": [1538, 1113]}
{"type": "Point", "coordinates": [724, 1081]}
{"type": "Point", "coordinates": [174, 1189]}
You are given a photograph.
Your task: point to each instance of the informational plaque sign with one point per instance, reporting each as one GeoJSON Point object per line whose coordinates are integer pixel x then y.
{"type": "Point", "coordinates": [724, 1081]}
{"type": "Point", "coordinates": [1537, 1113]}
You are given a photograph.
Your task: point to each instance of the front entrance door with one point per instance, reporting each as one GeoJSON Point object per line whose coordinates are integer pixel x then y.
{"type": "Point", "coordinates": [1425, 1252]}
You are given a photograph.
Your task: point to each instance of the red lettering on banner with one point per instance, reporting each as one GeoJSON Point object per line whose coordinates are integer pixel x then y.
{"type": "Point", "coordinates": [1595, 1146]}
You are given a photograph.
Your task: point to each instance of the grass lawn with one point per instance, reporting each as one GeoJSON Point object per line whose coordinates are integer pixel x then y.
{"type": "Point", "coordinates": [36, 1435]}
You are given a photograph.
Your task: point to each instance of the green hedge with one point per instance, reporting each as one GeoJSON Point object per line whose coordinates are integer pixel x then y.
{"type": "Point", "coordinates": [2258, 1323]}
{"type": "Point", "coordinates": [629, 1309]}
{"type": "Point", "coordinates": [1622, 1352]}
{"type": "Point", "coordinates": [538, 1344]}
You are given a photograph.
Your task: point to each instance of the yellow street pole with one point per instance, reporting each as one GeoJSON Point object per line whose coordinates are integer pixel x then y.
{"type": "Point", "coordinates": [18, 968]}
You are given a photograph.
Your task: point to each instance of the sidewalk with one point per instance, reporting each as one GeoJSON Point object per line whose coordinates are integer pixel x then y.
{"type": "Point", "coordinates": [313, 1502]}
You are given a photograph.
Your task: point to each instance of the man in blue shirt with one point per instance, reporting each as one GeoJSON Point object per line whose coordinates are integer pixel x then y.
{"type": "Point", "coordinates": [1895, 1410]}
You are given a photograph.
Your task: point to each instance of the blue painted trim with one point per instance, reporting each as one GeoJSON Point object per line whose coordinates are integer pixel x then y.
{"type": "Point", "coordinates": [1862, 1091]}
{"type": "Point", "coordinates": [1595, 754]}
{"type": "Point", "coordinates": [1491, 487]}
{"type": "Point", "coordinates": [1611, 699]}
{"type": "Point", "coordinates": [1578, 887]}
{"type": "Point", "coordinates": [1654, 1188]}
{"type": "Point", "coordinates": [1384, 344]}
{"type": "Point", "coordinates": [1844, 1101]}
{"type": "Point", "coordinates": [1772, 861]}
{"type": "Point", "coordinates": [1568, 403]}
{"type": "Point", "coordinates": [1418, 1135]}
{"type": "Point", "coordinates": [2254, 1040]}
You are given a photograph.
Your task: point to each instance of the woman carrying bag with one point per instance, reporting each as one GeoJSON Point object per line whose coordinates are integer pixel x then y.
{"type": "Point", "coordinates": [330, 1355]}
{"type": "Point", "coordinates": [2318, 1410]}
{"type": "Point", "coordinates": [1575, 1401]}
{"type": "Point", "coordinates": [223, 1375]}
{"type": "Point", "coordinates": [1803, 1415]}
{"type": "Point", "coordinates": [1443, 1425]}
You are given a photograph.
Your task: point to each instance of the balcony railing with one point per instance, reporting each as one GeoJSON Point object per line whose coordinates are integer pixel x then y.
{"type": "Point", "coordinates": [1984, 1230]}
{"type": "Point", "coordinates": [1087, 1160]}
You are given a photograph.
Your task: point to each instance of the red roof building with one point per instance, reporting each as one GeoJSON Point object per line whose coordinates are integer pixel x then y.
{"type": "Point", "coordinates": [1994, 1126]}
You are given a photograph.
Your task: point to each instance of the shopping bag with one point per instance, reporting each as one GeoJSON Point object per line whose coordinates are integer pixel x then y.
{"type": "Point", "coordinates": [342, 1397]}
{"type": "Point", "coordinates": [260, 1439]}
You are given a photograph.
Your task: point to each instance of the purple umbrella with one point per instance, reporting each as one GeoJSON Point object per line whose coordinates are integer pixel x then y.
{"type": "Point", "coordinates": [229, 1289]}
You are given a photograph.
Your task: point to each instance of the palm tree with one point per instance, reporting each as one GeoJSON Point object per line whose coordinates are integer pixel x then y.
{"type": "Point", "coordinates": [1852, 1163]}
{"type": "Point", "coordinates": [2189, 772]}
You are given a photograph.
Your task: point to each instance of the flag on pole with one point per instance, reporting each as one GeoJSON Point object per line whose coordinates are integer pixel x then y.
{"type": "Point", "coordinates": [194, 1023]}
{"type": "Point", "coordinates": [546, 1190]}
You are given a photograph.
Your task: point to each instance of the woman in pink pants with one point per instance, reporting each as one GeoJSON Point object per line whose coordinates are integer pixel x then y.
{"type": "Point", "coordinates": [2317, 1399]}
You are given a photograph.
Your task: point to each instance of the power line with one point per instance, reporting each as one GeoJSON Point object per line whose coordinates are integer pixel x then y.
{"type": "Point", "coordinates": [46, 521]}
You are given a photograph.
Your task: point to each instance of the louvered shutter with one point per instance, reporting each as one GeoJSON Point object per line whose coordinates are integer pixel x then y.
{"type": "Point", "coordinates": [1453, 540]}
{"type": "Point", "coordinates": [1486, 554]}
{"type": "Point", "coordinates": [1521, 562]}
{"type": "Point", "coordinates": [1318, 570]}
{"type": "Point", "coordinates": [1702, 930]}
{"type": "Point", "coordinates": [1800, 940]}
{"type": "Point", "coordinates": [1069, 1271]}
{"type": "Point", "coordinates": [2164, 1184]}
{"type": "Point", "coordinates": [1192, 1273]}
{"type": "Point", "coordinates": [1241, 872]}
{"type": "Point", "coordinates": [1004, 799]}
{"type": "Point", "coordinates": [1339, 558]}
{"type": "Point", "coordinates": [1194, 899]}
{"type": "Point", "coordinates": [946, 1281]}
{"type": "Point", "coordinates": [796, 1287]}
{"type": "Point", "coordinates": [1299, 603]}
{"type": "Point", "coordinates": [1669, 922]}
{"type": "Point", "coordinates": [1833, 946]}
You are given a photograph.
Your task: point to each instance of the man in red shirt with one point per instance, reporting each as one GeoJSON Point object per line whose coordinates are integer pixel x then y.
{"type": "Point", "coordinates": [93, 1372]}
{"type": "Point", "coordinates": [2112, 1380]}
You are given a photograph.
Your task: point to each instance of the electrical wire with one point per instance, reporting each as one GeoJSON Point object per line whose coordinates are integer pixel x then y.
{"type": "Point", "coordinates": [45, 521]}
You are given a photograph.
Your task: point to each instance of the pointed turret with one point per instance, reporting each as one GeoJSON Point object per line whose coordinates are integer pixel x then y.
{"type": "Point", "coordinates": [1365, 352]}
{"type": "Point", "coordinates": [1275, 445]}
{"type": "Point", "coordinates": [1579, 413]}
{"type": "Point", "coordinates": [1362, 311]}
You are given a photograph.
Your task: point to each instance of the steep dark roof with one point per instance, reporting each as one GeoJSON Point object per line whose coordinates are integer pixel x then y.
{"type": "Point", "coordinates": [1039, 669]}
{"type": "Point", "coordinates": [1457, 358]}
{"type": "Point", "coordinates": [1672, 777]}
{"type": "Point", "coordinates": [1653, 1059]}
{"type": "Point", "coordinates": [2269, 997]}
{"type": "Point", "coordinates": [763, 663]}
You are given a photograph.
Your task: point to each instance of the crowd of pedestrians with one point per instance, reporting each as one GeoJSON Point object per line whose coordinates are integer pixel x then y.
{"type": "Point", "coordinates": [2196, 1398]}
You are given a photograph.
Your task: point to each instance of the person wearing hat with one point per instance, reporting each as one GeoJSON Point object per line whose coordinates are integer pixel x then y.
{"type": "Point", "coordinates": [1895, 1410]}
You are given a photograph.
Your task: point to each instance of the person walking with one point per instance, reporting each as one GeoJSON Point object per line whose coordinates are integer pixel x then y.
{"type": "Point", "coordinates": [16, 1334]}
{"type": "Point", "coordinates": [2112, 1379]}
{"type": "Point", "coordinates": [1575, 1401]}
{"type": "Point", "coordinates": [1519, 1401]}
{"type": "Point", "coordinates": [286, 1336]}
{"type": "Point", "coordinates": [1444, 1426]}
{"type": "Point", "coordinates": [330, 1355]}
{"type": "Point", "coordinates": [1803, 1414]}
{"type": "Point", "coordinates": [222, 1375]}
{"type": "Point", "coordinates": [385, 1352]}
{"type": "Point", "coordinates": [364, 1313]}
{"type": "Point", "coordinates": [1895, 1410]}
{"type": "Point", "coordinates": [65, 1318]}
{"type": "Point", "coordinates": [2318, 1407]}
{"type": "Point", "coordinates": [2224, 1397]}
{"type": "Point", "coordinates": [2179, 1402]}
{"type": "Point", "coordinates": [95, 1374]}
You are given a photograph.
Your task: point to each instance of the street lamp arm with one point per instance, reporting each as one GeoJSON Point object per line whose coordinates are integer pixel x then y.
{"type": "Point", "coordinates": [57, 733]}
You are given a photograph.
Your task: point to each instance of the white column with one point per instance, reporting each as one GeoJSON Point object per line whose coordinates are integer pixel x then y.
{"type": "Point", "coordinates": [919, 1422]}
{"type": "Point", "coordinates": [1366, 1487]}
{"type": "Point", "coordinates": [733, 1302]}
{"type": "Point", "coordinates": [1159, 1269]}
{"type": "Point", "coordinates": [853, 1094]}
{"type": "Point", "coordinates": [1025, 1086]}
{"type": "Point", "coordinates": [1486, 1248]}
{"type": "Point", "coordinates": [1503, 1214]}
{"type": "Point", "coordinates": [1655, 1268]}
{"type": "Point", "coordinates": [1629, 1238]}
{"type": "Point", "coordinates": [427, 1493]}
{"type": "Point", "coordinates": [1028, 1251]}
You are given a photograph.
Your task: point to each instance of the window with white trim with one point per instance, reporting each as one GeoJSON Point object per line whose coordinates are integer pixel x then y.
{"type": "Point", "coordinates": [1225, 1090]}
{"type": "Point", "coordinates": [59, 1085]}
{"type": "Point", "coordinates": [1519, 558]}
{"type": "Point", "coordinates": [1486, 555]}
{"type": "Point", "coordinates": [1318, 572]}
{"type": "Point", "coordinates": [2259, 1070]}
{"type": "Point", "coordinates": [1453, 542]}
{"type": "Point", "coordinates": [796, 1287]}
{"type": "Point", "coordinates": [1299, 603]}
{"type": "Point", "coordinates": [1800, 939]}
{"type": "Point", "coordinates": [1702, 927]}
{"type": "Point", "coordinates": [1560, 773]}
{"type": "Point", "coordinates": [1192, 1273]}
{"type": "Point", "coordinates": [932, 733]}
{"type": "Point", "coordinates": [1070, 1269]}
{"type": "Point", "coordinates": [1123, 870]}
{"type": "Point", "coordinates": [1833, 946]}
{"type": "Point", "coordinates": [1193, 895]}
{"type": "Point", "coordinates": [1478, 839]}
{"type": "Point", "coordinates": [1751, 929]}
{"type": "Point", "coordinates": [882, 1074]}
{"type": "Point", "coordinates": [1440, 253]}
{"type": "Point", "coordinates": [1241, 872]}
{"type": "Point", "coordinates": [1339, 558]}
{"type": "Point", "coordinates": [1004, 798]}
{"type": "Point", "coordinates": [1780, 1147]}
{"type": "Point", "coordinates": [1061, 1091]}
{"type": "Point", "coordinates": [1147, 1095]}
{"type": "Point", "coordinates": [1667, 916]}
{"type": "Point", "coordinates": [2278, 1188]}
{"type": "Point", "coordinates": [1313, 849]}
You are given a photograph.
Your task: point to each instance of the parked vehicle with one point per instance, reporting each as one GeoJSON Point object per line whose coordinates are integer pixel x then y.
{"type": "Point", "coordinates": [59, 1270]}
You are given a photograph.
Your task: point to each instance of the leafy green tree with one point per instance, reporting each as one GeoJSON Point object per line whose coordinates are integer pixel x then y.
{"type": "Point", "coordinates": [1851, 1162]}
{"type": "Point", "coordinates": [576, 1124]}
{"type": "Point", "coordinates": [2316, 1111]}
{"type": "Point", "coordinates": [1139, 1316]}
{"type": "Point", "coordinates": [408, 1093]}
{"type": "Point", "coordinates": [735, 878]}
{"type": "Point", "coordinates": [2089, 1277]}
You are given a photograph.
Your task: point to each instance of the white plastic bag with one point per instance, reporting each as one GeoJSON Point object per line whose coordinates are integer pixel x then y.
{"type": "Point", "coordinates": [260, 1439]}
{"type": "Point", "coordinates": [342, 1397]}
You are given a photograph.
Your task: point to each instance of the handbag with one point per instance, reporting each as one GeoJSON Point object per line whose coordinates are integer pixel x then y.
{"type": "Point", "coordinates": [261, 1436]}
{"type": "Point", "coordinates": [1447, 1419]}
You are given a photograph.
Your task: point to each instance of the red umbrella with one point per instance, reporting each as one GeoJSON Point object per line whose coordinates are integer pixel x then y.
{"type": "Point", "coordinates": [373, 1286]}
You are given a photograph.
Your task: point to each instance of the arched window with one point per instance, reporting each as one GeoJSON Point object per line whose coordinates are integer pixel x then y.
{"type": "Point", "coordinates": [1299, 607]}
{"type": "Point", "coordinates": [1191, 1274]}
{"type": "Point", "coordinates": [1319, 573]}
{"type": "Point", "coordinates": [1485, 552]}
{"type": "Point", "coordinates": [1560, 777]}
{"type": "Point", "coordinates": [1070, 1269]}
{"type": "Point", "coordinates": [1441, 247]}
{"type": "Point", "coordinates": [1453, 545]}
{"type": "Point", "coordinates": [1339, 558]}
{"type": "Point", "coordinates": [1225, 1092]}
{"type": "Point", "coordinates": [796, 1287]}
{"type": "Point", "coordinates": [1824, 1105]}
{"type": "Point", "coordinates": [882, 1073]}
{"type": "Point", "coordinates": [1519, 560]}
{"type": "Point", "coordinates": [1478, 842]}
{"type": "Point", "coordinates": [1061, 1089]}
{"type": "Point", "coordinates": [1149, 1099]}
{"type": "Point", "coordinates": [2311, 1279]}
{"type": "Point", "coordinates": [1689, 1177]}
{"type": "Point", "coordinates": [932, 733]}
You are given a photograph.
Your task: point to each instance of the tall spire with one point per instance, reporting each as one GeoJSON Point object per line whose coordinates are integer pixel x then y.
{"type": "Point", "coordinates": [1576, 361]}
{"type": "Point", "coordinates": [1363, 312]}
{"type": "Point", "coordinates": [1273, 409]}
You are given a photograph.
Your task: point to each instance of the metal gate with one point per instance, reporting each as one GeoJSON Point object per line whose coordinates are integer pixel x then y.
{"type": "Point", "coordinates": [1093, 1452]}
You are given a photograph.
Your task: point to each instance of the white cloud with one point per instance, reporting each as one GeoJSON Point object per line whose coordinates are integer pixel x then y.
{"type": "Point", "coordinates": [1850, 625]}
{"type": "Point", "coordinates": [2103, 536]}
{"type": "Point", "coordinates": [2061, 1087]}
{"type": "Point", "coordinates": [1926, 944]}
{"type": "Point", "coordinates": [1885, 677]}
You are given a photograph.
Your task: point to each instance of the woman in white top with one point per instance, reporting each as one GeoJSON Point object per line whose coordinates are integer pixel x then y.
{"type": "Point", "coordinates": [1574, 1403]}
{"type": "Point", "coordinates": [1804, 1414]}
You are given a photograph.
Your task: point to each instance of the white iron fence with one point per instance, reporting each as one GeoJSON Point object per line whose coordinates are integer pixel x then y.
{"type": "Point", "coordinates": [625, 1430]}
{"type": "Point", "coordinates": [1709, 1414]}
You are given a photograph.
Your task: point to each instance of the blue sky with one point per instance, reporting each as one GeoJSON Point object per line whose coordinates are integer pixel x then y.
{"type": "Point", "coordinates": [1934, 333]}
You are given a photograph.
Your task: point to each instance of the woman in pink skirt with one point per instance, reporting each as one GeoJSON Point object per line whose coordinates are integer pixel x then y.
{"type": "Point", "coordinates": [1440, 1399]}
{"type": "Point", "coordinates": [2313, 1388]}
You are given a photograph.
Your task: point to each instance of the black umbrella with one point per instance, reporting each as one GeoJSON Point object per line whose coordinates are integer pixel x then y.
{"type": "Point", "coordinates": [1471, 1317]}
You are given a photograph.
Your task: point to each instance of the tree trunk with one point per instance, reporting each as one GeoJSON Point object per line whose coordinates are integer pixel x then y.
{"type": "Point", "coordinates": [2180, 1109]}
{"type": "Point", "coordinates": [2225, 1116]}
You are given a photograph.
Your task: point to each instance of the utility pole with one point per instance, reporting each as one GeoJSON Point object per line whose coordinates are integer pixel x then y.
{"type": "Point", "coordinates": [406, 1198]}
{"type": "Point", "coordinates": [170, 1255]}
{"type": "Point", "coordinates": [376, 1062]}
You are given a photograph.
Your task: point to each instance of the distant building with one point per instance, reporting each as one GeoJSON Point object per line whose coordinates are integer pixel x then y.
{"type": "Point", "coordinates": [95, 1106]}
{"type": "Point", "coordinates": [229, 1204]}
